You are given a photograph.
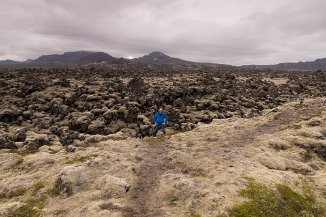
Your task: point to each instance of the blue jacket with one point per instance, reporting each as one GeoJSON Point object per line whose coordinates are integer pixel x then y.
{"type": "Point", "coordinates": [159, 118]}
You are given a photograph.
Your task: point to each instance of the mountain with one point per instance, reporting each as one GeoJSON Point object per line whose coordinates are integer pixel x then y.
{"type": "Point", "coordinates": [28, 61]}
{"type": "Point", "coordinates": [308, 65]}
{"type": "Point", "coordinates": [159, 58]}
{"type": "Point", "coordinates": [9, 62]}
{"type": "Point", "coordinates": [87, 57]}
{"type": "Point", "coordinates": [77, 57]}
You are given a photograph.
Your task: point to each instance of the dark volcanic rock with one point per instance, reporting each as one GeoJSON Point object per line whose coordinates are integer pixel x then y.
{"type": "Point", "coordinates": [6, 143]}
{"type": "Point", "coordinates": [36, 143]}
{"type": "Point", "coordinates": [9, 115]}
{"type": "Point", "coordinates": [20, 135]}
{"type": "Point", "coordinates": [105, 99]}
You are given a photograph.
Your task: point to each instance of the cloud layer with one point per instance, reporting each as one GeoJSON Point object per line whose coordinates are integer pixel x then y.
{"type": "Point", "coordinates": [233, 32]}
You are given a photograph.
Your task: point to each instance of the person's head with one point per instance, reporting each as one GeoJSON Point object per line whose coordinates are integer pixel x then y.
{"type": "Point", "coordinates": [161, 110]}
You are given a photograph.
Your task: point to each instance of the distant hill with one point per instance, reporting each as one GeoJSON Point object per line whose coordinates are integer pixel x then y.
{"type": "Point", "coordinates": [308, 65]}
{"type": "Point", "coordinates": [9, 62]}
{"type": "Point", "coordinates": [88, 57]}
{"type": "Point", "coordinates": [77, 57]}
{"type": "Point", "coordinates": [159, 58]}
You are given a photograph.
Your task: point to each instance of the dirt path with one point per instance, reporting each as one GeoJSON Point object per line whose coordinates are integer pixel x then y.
{"type": "Point", "coordinates": [281, 121]}
{"type": "Point", "coordinates": [143, 198]}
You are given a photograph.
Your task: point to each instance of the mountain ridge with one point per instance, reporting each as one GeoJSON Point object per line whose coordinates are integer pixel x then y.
{"type": "Point", "coordinates": [306, 65]}
{"type": "Point", "coordinates": [155, 57]}
{"type": "Point", "coordinates": [75, 57]}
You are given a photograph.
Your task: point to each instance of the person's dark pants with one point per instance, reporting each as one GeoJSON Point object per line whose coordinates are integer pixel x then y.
{"type": "Point", "coordinates": [159, 126]}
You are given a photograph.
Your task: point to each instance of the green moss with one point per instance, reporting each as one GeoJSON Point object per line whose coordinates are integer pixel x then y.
{"type": "Point", "coordinates": [60, 212]}
{"type": "Point", "coordinates": [2, 196]}
{"type": "Point", "coordinates": [171, 131]}
{"type": "Point", "coordinates": [23, 152]}
{"type": "Point", "coordinates": [37, 186]}
{"type": "Point", "coordinates": [32, 208]}
{"type": "Point", "coordinates": [173, 200]}
{"type": "Point", "coordinates": [190, 143]}
{"type": "Point", "coordinates": [78, 159]}
{"type": "Point", "coordinates": [155, 140]}
{"type": "Point", "coordinates": [18, 164]}
{"type": "Point", "coordinates": [281, 202]}
{"type": "Point", "coordinates": [24, 211]}
{"type": "Point", "coordinates": [16, 193]}
{"type": "Point", "coordinates": [195, 215]}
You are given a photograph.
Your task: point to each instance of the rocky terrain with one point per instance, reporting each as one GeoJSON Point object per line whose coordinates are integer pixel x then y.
{"type": "Point", "coordinates": [76, 141]}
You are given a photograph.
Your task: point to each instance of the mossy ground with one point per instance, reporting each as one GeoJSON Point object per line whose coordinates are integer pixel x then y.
{"type": "Point", "coordinates": [77, 159]}
{"type": "Point", "coordinates": [32, 208]}
{"type": "Point", "coordinates": [33, 204]}
{"type": "Point", "coordinates": [280, 202]}
{"type": "Point", "coordinates": [173, 200]}
{"type": "Point", "coordinates": [161, 137]}
{"type": "Point", "coordinates": [23, 152]}
{"type": "Point", "coordinates": [16, 193]}
{"type": "Point", "coordinates": [195, 215]}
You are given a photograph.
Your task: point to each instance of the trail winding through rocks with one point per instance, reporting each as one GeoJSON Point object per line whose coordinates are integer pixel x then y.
{"type": "Point", "coordinates": [143, 198]}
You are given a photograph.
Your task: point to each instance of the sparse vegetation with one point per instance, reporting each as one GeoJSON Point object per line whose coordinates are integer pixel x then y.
{"type": "Point", "coordinates": [77, 159]}
{"type": "Point", "coordinates": [18, 164]}
{"type": "Point", "coordinates": [32, 208]}
{"type": "Point", "coordinates": [16, 193]}
{"type": "Point", "coordinates": [95, 119]}
{"type": "Point", "coordinates": [263, 201]}
{"type": "Point", "coordinates": [60, 212]}
{"type": "Point", "coordinates": [195, 215]}
{"type": "Point", "coordinates": [37, 186]}
{"type": "Point", "coordinates": [23, 152]}
{"type": "Point", "coordinates": [173, 200]}
{"type": "Point", "coordinates": [153, 140]}
{"type": "Point", "coordinates": [24, 211]}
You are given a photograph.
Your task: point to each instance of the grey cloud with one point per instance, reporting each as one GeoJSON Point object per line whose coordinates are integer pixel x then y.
{"type": "Point", "coordinates": [233, 32]}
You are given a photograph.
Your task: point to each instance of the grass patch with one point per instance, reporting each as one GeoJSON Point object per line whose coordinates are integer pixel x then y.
{"type": "Point", "coordinates": [280, 202]}
{"type": "Point", "coordinates": [190, 143]}
{"type": "Point", "coordinates": [161, 137]}
{"type": "Point", "coordinates": [18, 164]}
{"type": "Point", "coordinates": [155, 140]}
{"type": "Point", "coordinates": [24, 211]}
{"type": "Point", "coordinates": [171, 131]}
{"type": "Point", "coordinates": [32, 208]}
{"type": "Point", "coordinates": [37, 186]}
{"type": "Point", "coordinates": [23, 152]}
{"type": "Point", "coordinates": [60, 212]}
{"type": "Point", "coordinates": [296, 126]}
{"type": "Point", "coordinates": [16, 193]}
{"type": "Point", "coordinates": [195, 215]}
{"type": "Point", "coordinates": [78, 159]}
{"type": "Point", "coordinates": [173, 200]}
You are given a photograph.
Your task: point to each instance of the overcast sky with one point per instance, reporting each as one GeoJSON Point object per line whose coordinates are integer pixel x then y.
{"type": "Point", "coordinates": [222, 31]}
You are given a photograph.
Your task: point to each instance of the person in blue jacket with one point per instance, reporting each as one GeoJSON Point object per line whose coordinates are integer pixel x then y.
{"type": "Point", "coordinates": [160, 119]}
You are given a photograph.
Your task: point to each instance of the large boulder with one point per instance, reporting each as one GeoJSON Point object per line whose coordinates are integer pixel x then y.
{"type": "Point", "coordinates": [97, 126]}
{"type": "Point", "coordinates": [68, 137]}
{"type": "Point", "coordinates": [6, 143]}
{"type": "Point", "coordinates": [9, 115]}
{"type": "Point", "coordinates": [20, 135]}
{"type": "Point", "coordinates": [35, 141]}
{"type": "Point", "coordinates": [80, 121]}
